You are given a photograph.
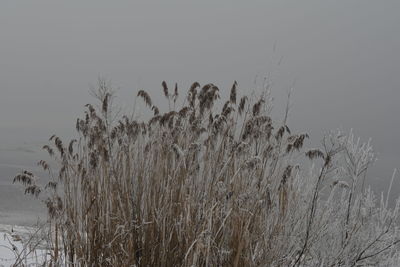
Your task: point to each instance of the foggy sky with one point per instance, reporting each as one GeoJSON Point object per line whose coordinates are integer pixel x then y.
{"type": "Point", "coordinates": [342, 57]}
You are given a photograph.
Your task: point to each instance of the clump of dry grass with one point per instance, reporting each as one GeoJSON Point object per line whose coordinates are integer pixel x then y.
{"type": "Point", "coordinates": [194, 187]}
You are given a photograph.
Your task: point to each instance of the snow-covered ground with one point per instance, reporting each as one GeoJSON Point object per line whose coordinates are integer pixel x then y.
{"type": "Point", "coordinates": [13, 240]}
{"type": "Point", "coordinates": [16, 208]}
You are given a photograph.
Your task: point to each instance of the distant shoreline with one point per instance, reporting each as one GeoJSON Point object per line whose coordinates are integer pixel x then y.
{"type": "Point", "coordinates": [21, 219]}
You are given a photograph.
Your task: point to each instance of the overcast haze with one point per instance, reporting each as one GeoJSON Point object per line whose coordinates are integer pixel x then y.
{"type": "Point", "coordinates": [342, 57]}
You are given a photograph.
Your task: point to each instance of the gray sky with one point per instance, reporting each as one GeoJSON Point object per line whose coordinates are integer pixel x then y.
{"type": "Point", "coordinates": [343, 58]}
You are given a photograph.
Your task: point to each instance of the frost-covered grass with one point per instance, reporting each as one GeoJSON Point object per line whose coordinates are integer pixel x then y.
{"type": "Point", "coordinates": [205, 186]}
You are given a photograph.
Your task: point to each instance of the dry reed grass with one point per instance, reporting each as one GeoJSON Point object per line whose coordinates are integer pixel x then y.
{"type": "Point", "coordinates": [192, 187]}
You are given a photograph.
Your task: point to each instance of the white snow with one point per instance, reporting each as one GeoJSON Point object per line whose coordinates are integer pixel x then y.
{"type": "Point", "coordinates": [13, 240]}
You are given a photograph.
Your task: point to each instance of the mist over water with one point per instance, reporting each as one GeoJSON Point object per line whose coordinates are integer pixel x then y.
{"type": "Point", "coordinates": [342, 59]}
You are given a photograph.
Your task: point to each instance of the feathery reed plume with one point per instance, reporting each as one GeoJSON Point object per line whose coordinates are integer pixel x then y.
{"type": "Point", "coordinates": [192, 94]}
{"type": "Point", "coordinates": [176, 94]}
{"type": "Point", "coordinates": [105, 103]}
{"type": "Point", "coordinates": [146, 98]}
{"type": "Point", "coordinates": [315, 153]}
{"type": "Point", "coordinates": [49, 150]}
{"type": "Point", "coordinates": [257, 107]}
{"type": "Point", "coordinates": [25, 178]}
{"type": "Point", "coordinates": [225, 107]}
{"type": "Point", "coordinates": [204, 91]}
{"type": "Point", "coordinates": [165, 89]}
{"type": "Point", "coordinates": [280, 132]}
{"type": "Point", "coordinates": [232, 97]}
{"type": "Point", "coordinates": [184, 111]}
{"type": "Point", "coordinates": [43, 164]}
{"type": "Point", "coordinates": [207, 96]}
{"type": "Point", "coordinates": [242, 104]}
{"type": "Point", "coordinates": [155, 110]}
{"type": "Point", "coordinates": [33, 190]}
{"type": "Point", "coordinates": [71, 146]}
